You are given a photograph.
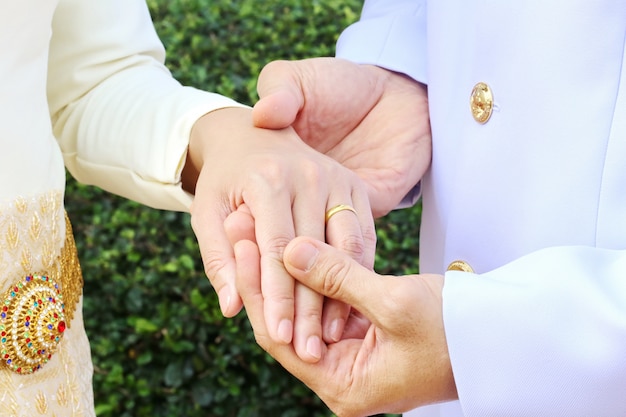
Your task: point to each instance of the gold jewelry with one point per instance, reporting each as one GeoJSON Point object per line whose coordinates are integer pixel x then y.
{"type": "Point", "coordinates": [37, 309]}
{"type": "Point", "coordinates": [340, 207]}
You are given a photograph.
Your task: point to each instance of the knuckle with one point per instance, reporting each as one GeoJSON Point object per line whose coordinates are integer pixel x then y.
{"type": "Point", "coordinates": [334, 278]}
{"type": "Point", "coordinates": [353, 245]}
{"type": "Point", "coordinates": [213, 264]}
{"type": "Point", "coordinates": [309, 314]}
{"type": "Point", "coordinates": [369, 234]}
{"type": "Point", "coordinates": [270, 174]}
{"type": "Point", "coordinates": [312, 171]}
{"type": "Point", "coordinates": [277, 176]}
{"type": "Point", "coordinates": [275, 247]}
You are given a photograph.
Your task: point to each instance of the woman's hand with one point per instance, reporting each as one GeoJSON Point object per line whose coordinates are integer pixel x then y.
{"type": "Point", "coordinates": [287, 188]}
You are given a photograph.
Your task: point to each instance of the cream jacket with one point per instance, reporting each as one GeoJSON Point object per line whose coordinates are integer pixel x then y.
{"type": "Point", "coordinates": [82, 86]}
{"type": "Point", "coordinates": [534, 200]}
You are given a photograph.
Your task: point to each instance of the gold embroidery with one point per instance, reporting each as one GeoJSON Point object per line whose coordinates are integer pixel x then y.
{"type": "Point", "coordinates": [41, 403]}
{"type": "Point", "coordinates": [26, 260]}
{"type": "Point", "coordinates": [35, 227]}
{"type": "Point", "coordinates": [66, 380]}
{"type": "Point", "coordinates": [35, 254]}
{"type": "Point", "coordinates": [12, 235]}
{"type": "Point", "coordinates": [21, 205]}
{"type": "Point", "coordinates": [47, 255]}
{"type": "Point", "coordinates": [62, 395]}
{"type": "Point", "coordinates": [71, 275]}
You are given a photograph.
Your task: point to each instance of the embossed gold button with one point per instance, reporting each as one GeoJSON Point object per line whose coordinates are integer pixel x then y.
{"type": "Point", "coordinates": [481, 102]}
{"type": "Point", "coordinates": [460, 266]}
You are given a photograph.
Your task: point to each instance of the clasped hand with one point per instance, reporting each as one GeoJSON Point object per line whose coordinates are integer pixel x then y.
{"type": "Point", "coordinates": [287, 188]}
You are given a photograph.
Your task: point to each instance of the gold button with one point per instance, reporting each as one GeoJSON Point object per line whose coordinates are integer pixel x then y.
{"type": "Point", "coordinates": [460, 266]}
{"type": "Point", "coordinates": [481, 102]}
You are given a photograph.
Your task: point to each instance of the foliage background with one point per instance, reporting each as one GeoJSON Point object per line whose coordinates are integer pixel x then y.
{"type": "Point", "coordinates": [159, 343]}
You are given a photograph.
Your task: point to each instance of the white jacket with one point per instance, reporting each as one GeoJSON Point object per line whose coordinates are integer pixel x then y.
{"type": "Point", "coordinates": [534, 199]}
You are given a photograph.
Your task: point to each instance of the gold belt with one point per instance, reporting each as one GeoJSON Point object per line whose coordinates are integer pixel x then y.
{"type": "Point", "coordinates": [38, 308]}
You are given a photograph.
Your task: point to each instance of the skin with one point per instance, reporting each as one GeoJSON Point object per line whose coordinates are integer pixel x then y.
{"type": "Point", "coordinates": [287, 187]}
{"type": "Point", "coordinates": [373, 121]}
{"type": "Point", "coordinates": [394, 363]}
{"type": "Point", "coordinates": [392, 355]}
{"type": "Point", "coordinates": [352, 118]}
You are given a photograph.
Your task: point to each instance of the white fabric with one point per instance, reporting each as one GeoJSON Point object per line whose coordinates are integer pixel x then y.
{"type": "Point", "coordinates": [534, 200]}
{"type": "Point", "coordinates": [89, 73]}
{"type": "Point", "coordinates": [122, 121]}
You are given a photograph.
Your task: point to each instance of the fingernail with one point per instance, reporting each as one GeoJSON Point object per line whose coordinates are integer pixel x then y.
{"type": "Point", "coordinates": [336, 329]}
{"type": "Point", "coordinates": [303, 256]}
{"type": "Point", "coordinates": [224, 298]}
{"type": "Point", "coordinates": [285, 330]}
{"type": "Point", "coordinates": [314, 347]}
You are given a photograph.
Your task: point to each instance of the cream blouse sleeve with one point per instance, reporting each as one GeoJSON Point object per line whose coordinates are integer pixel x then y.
{"type": "Point", "coordinates": [122, 121]}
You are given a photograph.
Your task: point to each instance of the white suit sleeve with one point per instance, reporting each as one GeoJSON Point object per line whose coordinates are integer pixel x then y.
{"type": "Point", "coordinates": [544, 335]}
{"type": "Point", "coordinates": [122, 121]}
{"type": "Point", "coordinates": [390, 34]}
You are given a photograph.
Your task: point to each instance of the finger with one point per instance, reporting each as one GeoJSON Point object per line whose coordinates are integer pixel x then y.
{"type": "Point", "coordinates": [334, 318]}
{"type": "Point", "coordinates": [332, 374]}
{"type": "Point", "coordinates": [343, 232]}
{"type": "Point", "coordinates": [356, 326]}
{"type": "Point", "coordinates": [308, 209]}
{"type": "Point", "coordinates": [249, 286]}
{"type": "Point", "coordinates": [239, 225]}
{"type": "Point", "coordinates": [217, 255]}
{"type": "Point", "coordinates": [273, 230]}
{"type": "Point", "coordinates": [352, 233]}
{"type": "Point", "coordinates": [328, 271]}
{"type": "Point", "coordinates": [280, 95]}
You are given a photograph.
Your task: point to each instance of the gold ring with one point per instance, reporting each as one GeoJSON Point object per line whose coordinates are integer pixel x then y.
{"type": "Point", "coordinates": [340, 207]}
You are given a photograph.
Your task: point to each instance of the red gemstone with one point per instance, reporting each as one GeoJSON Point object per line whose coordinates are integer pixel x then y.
{"type": "Point", "coordinates": [61, 327]}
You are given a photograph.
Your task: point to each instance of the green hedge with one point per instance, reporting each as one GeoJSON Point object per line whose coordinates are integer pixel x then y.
{"type": "Point", "coordinates": [159, 343]}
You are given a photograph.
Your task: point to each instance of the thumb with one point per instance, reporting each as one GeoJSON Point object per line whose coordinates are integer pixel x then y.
{"type": "Point", "coordinates": [280, 93]}
{"type": "Point", "coordinates": [332, 273]}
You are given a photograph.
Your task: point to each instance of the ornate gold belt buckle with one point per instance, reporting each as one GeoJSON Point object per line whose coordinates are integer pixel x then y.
{"type": "Point", "coordinates": [32, 322]}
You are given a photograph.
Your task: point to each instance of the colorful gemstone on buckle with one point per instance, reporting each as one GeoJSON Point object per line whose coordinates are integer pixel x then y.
{"type": "Point", "coordinates": [32, 322]}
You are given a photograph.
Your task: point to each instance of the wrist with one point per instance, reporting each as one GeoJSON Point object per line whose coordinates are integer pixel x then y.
{"type": "Point", "coordinates": [203, 140]}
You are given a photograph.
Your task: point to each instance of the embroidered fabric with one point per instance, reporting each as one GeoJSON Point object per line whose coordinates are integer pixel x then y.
{"type": "Point", "coordinates": [32, 234]}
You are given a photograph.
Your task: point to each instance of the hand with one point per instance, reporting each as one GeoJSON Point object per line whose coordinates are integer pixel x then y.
{"type": "Point", "coordinates": [399, 363]}
{"type": "Point", "coordinates": [337, 319]}
{"type": "Point", "coordinates": [371, 120]}
{"type": "Point", "coordinates": [287, 188]}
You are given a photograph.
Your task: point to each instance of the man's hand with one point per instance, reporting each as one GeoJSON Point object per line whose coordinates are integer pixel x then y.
{"type": "Point", "coordinates": [287, 188]}
{"type": "Point", "coordinates": [371, 120]}
{"type": "Point", "coordinates": [400, 362]}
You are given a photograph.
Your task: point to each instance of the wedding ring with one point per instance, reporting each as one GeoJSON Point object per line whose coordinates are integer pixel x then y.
{"type": "Point", "coordinates": [340, 207]}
